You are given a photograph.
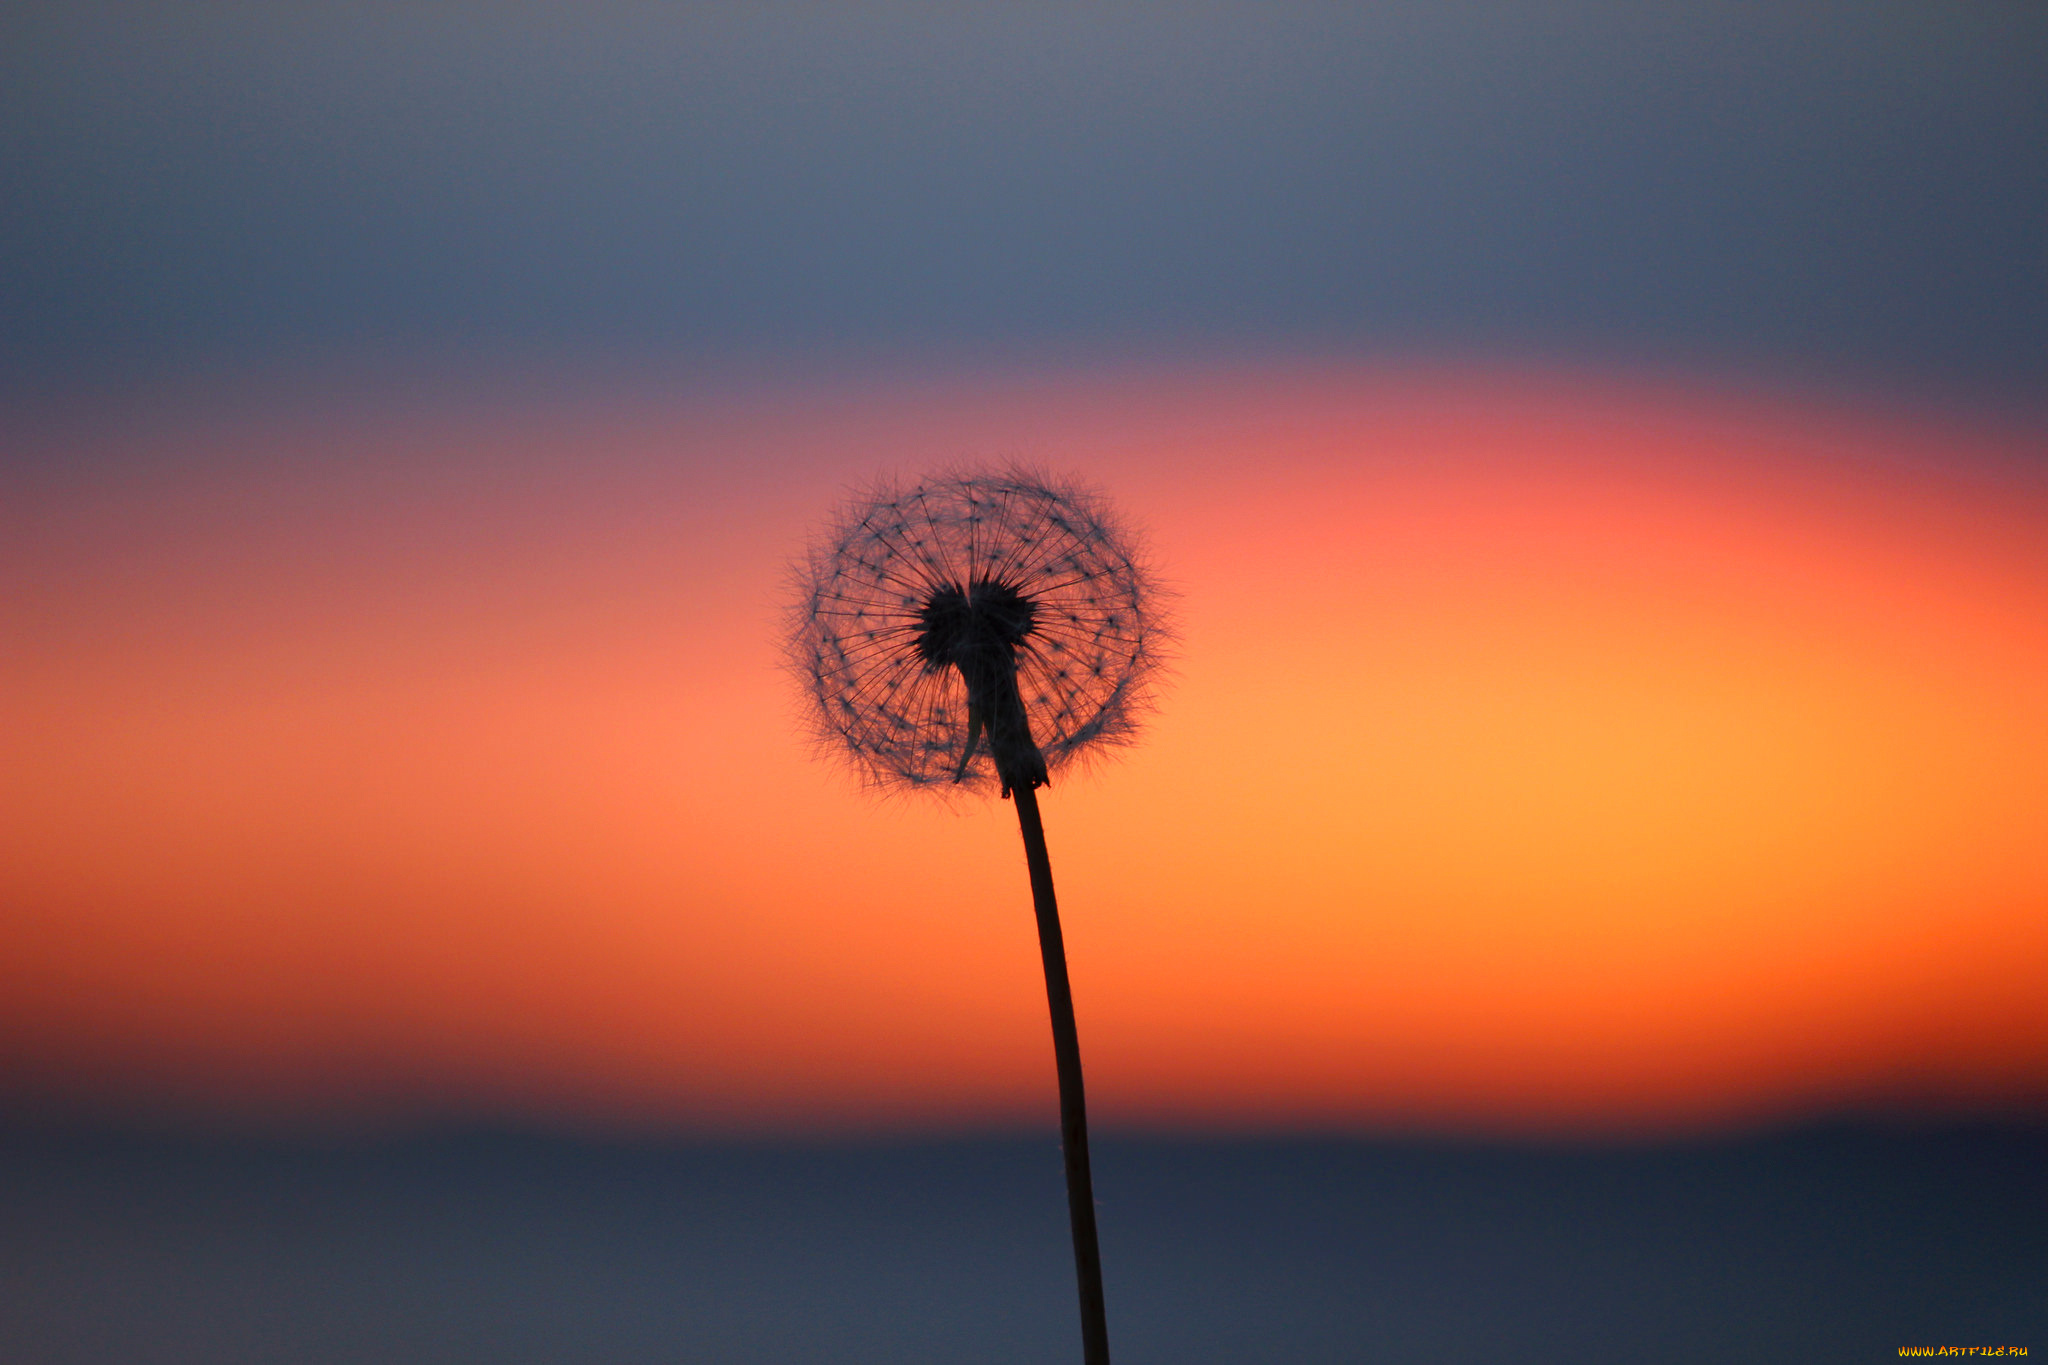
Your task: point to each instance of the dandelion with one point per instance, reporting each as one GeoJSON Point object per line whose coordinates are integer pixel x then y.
{"type": "Point", "coordinates": [976, 631]}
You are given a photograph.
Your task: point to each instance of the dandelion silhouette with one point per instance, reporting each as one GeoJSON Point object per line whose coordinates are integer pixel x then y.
{"type": "Point", "coordinates": [985, 630]}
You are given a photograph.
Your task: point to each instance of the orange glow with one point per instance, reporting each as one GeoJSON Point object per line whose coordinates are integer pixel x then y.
{"type": "Point", "coordinates": [1542, 754]}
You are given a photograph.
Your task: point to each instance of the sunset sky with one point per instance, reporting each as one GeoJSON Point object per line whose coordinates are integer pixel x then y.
{"type": "Point", "coordinates": [1598, 451]}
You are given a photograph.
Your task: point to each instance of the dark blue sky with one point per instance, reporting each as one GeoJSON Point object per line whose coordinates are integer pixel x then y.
{"type": "Point", "coordinates": [1848, 190]}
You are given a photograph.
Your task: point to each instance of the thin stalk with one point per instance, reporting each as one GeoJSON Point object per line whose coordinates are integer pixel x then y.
{"type": "Point", "coordinates": [1066, 1048]}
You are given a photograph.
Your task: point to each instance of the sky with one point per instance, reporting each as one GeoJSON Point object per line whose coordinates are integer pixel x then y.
{"type": "Point", "coordinates": [1847, 190]}
{"type": "Point", "coordinates": [1597, 451]}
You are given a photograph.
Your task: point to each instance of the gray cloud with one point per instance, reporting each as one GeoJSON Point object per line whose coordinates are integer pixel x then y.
{"type": "Point", "coordinates": [1857, 186]}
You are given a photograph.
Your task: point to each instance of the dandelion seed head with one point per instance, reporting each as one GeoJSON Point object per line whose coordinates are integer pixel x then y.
{"type": "Point", "coordinates": [919, 606]}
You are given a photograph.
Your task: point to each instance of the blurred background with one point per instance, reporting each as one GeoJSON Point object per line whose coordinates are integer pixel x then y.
{"type": "Point", "coordinates": [1583, 897]}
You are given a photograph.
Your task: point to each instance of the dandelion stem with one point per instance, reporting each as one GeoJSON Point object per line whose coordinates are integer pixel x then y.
{"type": "Point", "coordinates": [1066, 1047]}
